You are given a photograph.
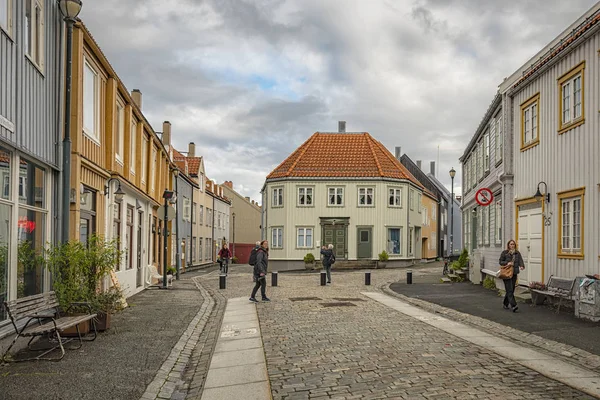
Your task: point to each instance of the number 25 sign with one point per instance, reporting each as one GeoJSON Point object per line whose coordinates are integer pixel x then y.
{"type": "Point", "coordinates": [484, 197]}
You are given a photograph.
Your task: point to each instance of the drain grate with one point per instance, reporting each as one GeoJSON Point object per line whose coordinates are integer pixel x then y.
{"type": "Point", "coordinates": [348, 299]}
{"type": "Point", "coordinates": [304, 298]}
{"type": "Point", "coordinates": [339, 304]}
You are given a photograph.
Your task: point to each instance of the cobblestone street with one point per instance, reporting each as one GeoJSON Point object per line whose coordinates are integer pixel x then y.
{"type": "Point", "coordinates": [333, 342]}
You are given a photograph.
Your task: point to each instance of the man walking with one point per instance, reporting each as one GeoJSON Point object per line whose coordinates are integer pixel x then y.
{"type": "Point", "coordinates": [260, 272]}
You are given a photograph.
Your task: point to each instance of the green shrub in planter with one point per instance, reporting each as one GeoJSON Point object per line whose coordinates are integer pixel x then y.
{"type": "Point", "coordinates": [383, 256]}
{"type": "Point", "coordinates": [309, 258]}
{"type": "Point", "coordinates": [489, 283]}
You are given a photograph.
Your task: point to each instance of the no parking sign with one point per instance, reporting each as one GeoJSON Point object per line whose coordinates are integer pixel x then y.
{"type": "Point", "coordinates": [484, 197]}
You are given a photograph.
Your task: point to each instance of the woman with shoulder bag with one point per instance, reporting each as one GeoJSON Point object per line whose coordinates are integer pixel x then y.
{"type": "Point", "coordinates": [511, 257]}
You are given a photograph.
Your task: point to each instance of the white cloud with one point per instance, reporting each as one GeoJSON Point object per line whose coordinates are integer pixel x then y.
{"type": "Point", "coordinates": [249, 81]}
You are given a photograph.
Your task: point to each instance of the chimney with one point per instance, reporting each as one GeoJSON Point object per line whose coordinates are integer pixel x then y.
{"type": "Point", "coordinates": [247, 198]}
{"type": "Point", "coordinates": [191, 150]}
{"type": "Point", "coordinates": [341, 126]}
{"type": "Point", "coordinates": [166, 137]}
{"type": "Point", "coordinates": [419, 164]}
{"type": "Point", "coordinates": [398, 152]}
{"type": "Point", "coordinates": [229, 184]}
{"type": "Point", "coordinates": [432, 167]}
{"type": "Point", "coordinates": [137, 97]}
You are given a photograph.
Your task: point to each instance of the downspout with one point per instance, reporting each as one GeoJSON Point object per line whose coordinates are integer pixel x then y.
{"type": "Point", "coordinates": [178, 244]}
{"type": "Point", "coordinates": [213, 231]}
{"type": "Point", "coordinates": [190, 260]}
{"type": "Point", "coordinates": [59, 121]}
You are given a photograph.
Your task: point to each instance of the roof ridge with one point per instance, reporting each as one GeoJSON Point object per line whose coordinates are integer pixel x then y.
{"type": "Point", "coordinates": [367, 136]}
{"type": "Point", "coordinates": [398, 164]}
{"type": "Point", "coordinates": [308, 143]}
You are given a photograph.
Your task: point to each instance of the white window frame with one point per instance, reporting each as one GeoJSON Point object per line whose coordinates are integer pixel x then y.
{"type": "Point", "coordinates": [486, 151]}
{"type": "Point", "coordinates": [303, 196]}
{"type": "Point", "coordinates": [120, 131]}
{"type": "Point", "coordinates": [411, 199]}
{"type": "Point", "coordinates": [7, 25]}
{"type": "Point", "coordinates": [389, 243]}
{"type": "Point", "coordinates": [302, 232]}
{"type": "Point", "coordinates": [35, 50]}
{"type": "Point", "coordinates": [276, 237]}
{"type": "Point", "coordinates": [425, 216]}
{"type": "Point", "coordinates": [144, 158]}
{"type": "Point", "coordinates": [365, 192]}
{"type": "Point", "coordinates": [498, 222]}
{"type": "Point", "coordinates": [337, 191]}
{"type": "Point", "coordinates": [187, 205]}
{"type": "Point", "coordinates": [94, 134]}
{"type": "Point", "coordinates": [133, 144]}
{"type": "Point", "coordinates": [571, 224]}
{"type": "Point", "coordinates": [153, 169]}
{"type": "Point", "coordinates": [433, 241]}
{"type": "Point", "coordinates": [277, 198]}
{"type": "Point", "coordinates": [396, 195]}
{"type": "Point", "coordinates": [572, 98]}
{"type": "Point", "coordinates": [499, 139]}
{"type": "Point", "coordinates": [434, 212]}
{"type": "Point", "coordinates": [486, 226]}
{"type": "Point", "coordinates": [201, 215]}
{"type": "Point", "coordinates": [419, 202]}
{"type": "Point", "coordinates": [411, 232]}
{"type": "Point", "coordinates": [194, 207]}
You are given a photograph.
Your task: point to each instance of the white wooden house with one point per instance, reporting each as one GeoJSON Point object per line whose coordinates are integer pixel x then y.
{"type": "Point", "coordinates": [553, 105]}
{"type": "Point", "coordinates": [484, 166]}
{"type": "Point", "coordinates": [344, 189]}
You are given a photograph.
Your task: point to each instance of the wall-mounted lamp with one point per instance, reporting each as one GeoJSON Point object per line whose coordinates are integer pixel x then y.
{"type": "Point", "coordinates": [119, 193]}
{"type": "Point", "coordinates": [538, 195]}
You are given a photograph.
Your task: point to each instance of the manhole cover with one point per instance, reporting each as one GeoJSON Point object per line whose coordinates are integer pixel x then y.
{"type": "Point", "coordinates": [339, 304]}
{"type": "Point", "coordinates": [304, 298]}
{"type": "Point", "coordinates": [348, 299]}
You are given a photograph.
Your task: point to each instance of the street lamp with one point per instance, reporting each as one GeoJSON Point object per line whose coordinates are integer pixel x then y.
{"type": "Point", "coordinates": [167, 195]}
{"type": "Point", "coordinates": [452, 173]}
{"type": "Point", "coordinates": [119, 193]}
{"type": "Point", "coordinates": [70, 10]}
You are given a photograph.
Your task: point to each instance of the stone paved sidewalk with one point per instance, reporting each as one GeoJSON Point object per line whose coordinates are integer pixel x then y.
{"type": "Point", "coordinates": [323, 348]}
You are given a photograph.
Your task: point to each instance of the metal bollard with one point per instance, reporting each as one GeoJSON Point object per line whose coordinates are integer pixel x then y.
{"type": "Point", "coordinates": [368, 278]}
{"type": "Point", "coordinates": [323, 278]}
{"type": "Point", "coordinates": [222, 281]}
{"type": "Point", "coordinates": [409, 277]}
{"type": "Point", "coordinates": [274, 278]}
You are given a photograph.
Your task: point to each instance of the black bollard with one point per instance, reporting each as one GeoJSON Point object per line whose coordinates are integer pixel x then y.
{"type": "Point", "coordinates": [222, 281]}
{"type": "Point", "coordinates": [368, 278]}
{"type": "Point", "coordinates": [323, 278]}
{"type": "Point", "coordinates": [274, 278]}
{"type": "Point", "coordinates": [409, 277]}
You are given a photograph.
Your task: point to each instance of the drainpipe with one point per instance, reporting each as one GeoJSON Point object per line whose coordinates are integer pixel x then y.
{"type": "Point", "coordinates": [178, 244]}
{"type": "Point", "coordinates": [212, 252]}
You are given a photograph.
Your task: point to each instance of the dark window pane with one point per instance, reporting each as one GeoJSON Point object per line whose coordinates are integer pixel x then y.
{"type": "Point", "coordinates": [30, 271]}
{"type": "Point", "coordinates": [5, 228]}
{"type": "Point", "coordinates": [32, 185]}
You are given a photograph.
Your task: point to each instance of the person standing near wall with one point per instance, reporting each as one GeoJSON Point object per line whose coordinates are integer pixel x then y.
{"type": "Point", "coordinates": [260, 272]}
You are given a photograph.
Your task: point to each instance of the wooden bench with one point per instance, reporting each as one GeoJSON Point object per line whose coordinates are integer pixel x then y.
{"type": "Point", "coordinates": [561, 288]}
{"type": "Point", "coordinates": [43, 319]}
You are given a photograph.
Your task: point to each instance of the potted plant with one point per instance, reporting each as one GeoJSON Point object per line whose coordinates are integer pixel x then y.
{"type": "Point", "coordinates": [171, 271]}
{"type": "Point", "coordinates": [107, 303]}
{"type": "Point", "coordinates": [78, 272]}
{"type": "Point", "coordinates": [383, 257]}
{"type": "Point", "coordinates": [309, 261]}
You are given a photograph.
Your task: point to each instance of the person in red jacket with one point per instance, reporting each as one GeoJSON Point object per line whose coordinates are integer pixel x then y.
{"type": "Point", "coordinates": [224, 256]}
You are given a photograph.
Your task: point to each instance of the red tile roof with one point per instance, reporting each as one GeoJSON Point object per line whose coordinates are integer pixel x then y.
{"type": "Point", "coordinates": [342, 155]}
{"type": "Point", "coordinates": [177, 156]}
{"type": "Point", "coordinates": [194, 165]}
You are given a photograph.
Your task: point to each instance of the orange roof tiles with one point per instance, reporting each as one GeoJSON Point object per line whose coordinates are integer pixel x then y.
{"type": "Point", "coordinates": [342, 155]}
{"type": "Point", "coordinates": [194, 165]}
{"type": "Point", "coordinates": [177, 156]}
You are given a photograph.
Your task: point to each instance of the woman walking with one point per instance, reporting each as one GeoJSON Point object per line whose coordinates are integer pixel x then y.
{"type": "Point", "coordinates": [511, 256]}
{"type": "Point", "coordinates": [260, 272]}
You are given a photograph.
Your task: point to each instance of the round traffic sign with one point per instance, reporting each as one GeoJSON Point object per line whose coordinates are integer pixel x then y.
{"type": "Point", "coordinates": [484, 197]}
{"type": "Point", "coordinates": [170, 212]}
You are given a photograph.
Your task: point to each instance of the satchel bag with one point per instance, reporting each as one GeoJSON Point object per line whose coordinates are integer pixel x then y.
{"type": "Point", "coordinates": [506, 272]}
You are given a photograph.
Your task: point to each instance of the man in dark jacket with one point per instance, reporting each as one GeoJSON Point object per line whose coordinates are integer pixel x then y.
{"type": "Point", "coordinates": [328, 257]}
{"type": "Point", "coordinates": [260, 272]}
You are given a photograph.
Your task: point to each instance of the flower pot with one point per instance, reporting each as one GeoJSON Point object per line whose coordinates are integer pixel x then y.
{"type": "Point", "coordinates": [309, 266]}
{"type": "Point", "coordinates": [84, 329]}
{"type": "Point", "coordinates": [381, 264]}
{"type": "Point", "coordinates": [103, 321]}
{"type": "Point", "coordinates": [537, 298]}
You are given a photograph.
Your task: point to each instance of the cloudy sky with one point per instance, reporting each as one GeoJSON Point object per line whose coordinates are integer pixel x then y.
{"type": "Point", "coordinates": [249, 80]}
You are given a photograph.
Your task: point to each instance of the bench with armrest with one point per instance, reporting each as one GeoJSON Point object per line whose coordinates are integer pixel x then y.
{"type": "Point", "coordinates": [43, 318]}
{"type": "Point", "coordinates": [561, 288]}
